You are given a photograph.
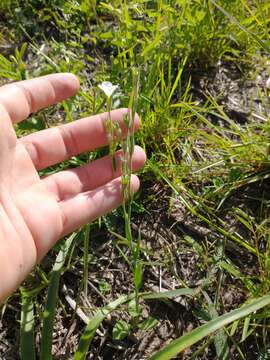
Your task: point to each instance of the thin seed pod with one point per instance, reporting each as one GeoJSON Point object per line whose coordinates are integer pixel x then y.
{"type": "Point", "coordinates": [111, 133]}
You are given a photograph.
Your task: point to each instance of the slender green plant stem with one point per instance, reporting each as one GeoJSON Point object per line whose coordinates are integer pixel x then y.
{"type": "Point", "coordinates": [111, 132]}
{"type": "Point", "coordinates": [128, 149]}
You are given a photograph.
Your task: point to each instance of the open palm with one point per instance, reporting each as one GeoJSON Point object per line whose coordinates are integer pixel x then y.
{"type": "Point", "coordinates": [35, 212]}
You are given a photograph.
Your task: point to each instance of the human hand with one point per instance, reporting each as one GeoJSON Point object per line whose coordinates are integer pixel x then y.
{"type": "Point", "coordinates": [35, 212]}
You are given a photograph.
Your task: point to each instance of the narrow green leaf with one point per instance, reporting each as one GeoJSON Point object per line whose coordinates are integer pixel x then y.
{"type": "Point", "coordinates": [86, 258]}
{"type": "Point", "coordinates": [138, 275]}
{"type": "Point", "coordinates": [221, 339]}
{"type": "Point", "coordinates": [177, 79]}
{"type": "Point", "coordinates": [234, 327]}
{"type": "Point", "coordinates": [27, 346]}
{"type": "Point", "coordinates": [187, 340]}
{"type": "Point", "coordinates": [246, 330]}
{"type": "Point", "coordinates": [148, 323]}
{"type": "Point", "coordinates": [52, 299]}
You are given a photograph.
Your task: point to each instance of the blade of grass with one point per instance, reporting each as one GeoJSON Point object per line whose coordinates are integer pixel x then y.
{"type": "Point", "coordinates": [187, 340]}
{"type": "Point", "coordinates": [52, 298]}
{"type": "Point", "coordinates": [86, 258]}
{"type": "Point", "coordinates": [177, 79]}
{"type": "Point", "coordinates": [220, 339]}
{"type": "Point", "coordinates": [27, 344]}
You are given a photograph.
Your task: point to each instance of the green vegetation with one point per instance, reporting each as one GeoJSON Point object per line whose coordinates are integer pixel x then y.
{"type": "Point", "coordinates": [199, 228]}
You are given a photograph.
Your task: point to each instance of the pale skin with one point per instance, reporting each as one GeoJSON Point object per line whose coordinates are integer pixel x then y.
{"type": "Point", "coordinates": [36, 212]}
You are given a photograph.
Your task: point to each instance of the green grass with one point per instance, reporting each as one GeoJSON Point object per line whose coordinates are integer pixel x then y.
{"type": "Point", "coordinates": [212, 165]}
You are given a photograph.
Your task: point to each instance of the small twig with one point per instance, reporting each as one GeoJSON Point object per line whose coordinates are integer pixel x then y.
{"type": "Point", "coordinates": [72, 303]}
{"type": "Point", "coordinates": [96, 290]}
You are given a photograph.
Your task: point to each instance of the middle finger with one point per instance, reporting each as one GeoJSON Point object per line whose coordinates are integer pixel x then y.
{"type": "Point", "coordinates": [51, 146]}
{"type": "Point", "coordinates": [69, 183]}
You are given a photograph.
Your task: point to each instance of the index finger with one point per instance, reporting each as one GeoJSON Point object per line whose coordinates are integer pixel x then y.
{"type": "Point", "coordinates": [20, 99]}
